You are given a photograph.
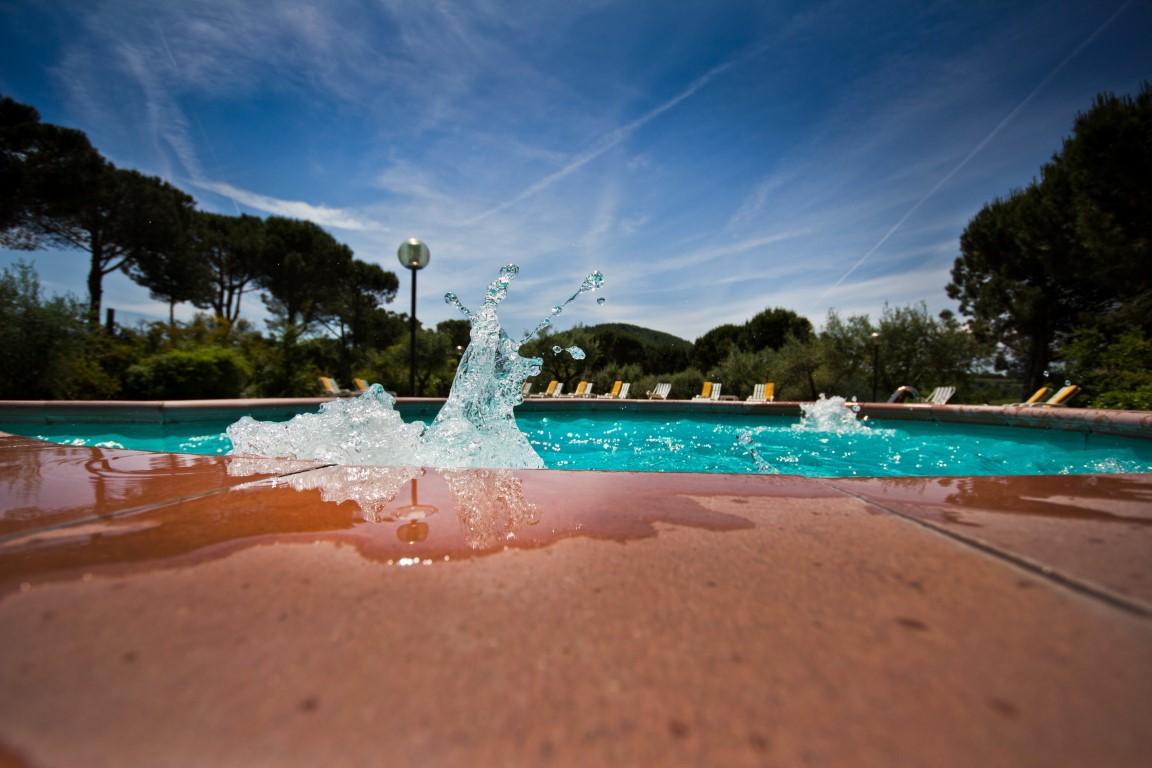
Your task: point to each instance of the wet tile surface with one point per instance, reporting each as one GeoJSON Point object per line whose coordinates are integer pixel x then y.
{"type": "Point", "coordinates": [1095, 529]}
{"type": "Point", "coordinates": [344, 616]}
{"type": "Point", "coordinates": [45, 484]}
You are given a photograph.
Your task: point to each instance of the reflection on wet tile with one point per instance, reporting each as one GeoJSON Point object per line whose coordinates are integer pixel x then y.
{"type": "Point", "coordinates": [1092, 528]}
{"type": "Point", "coordinates": [44, 484]}
{"type": "Point", "coordinates": [396, 516]}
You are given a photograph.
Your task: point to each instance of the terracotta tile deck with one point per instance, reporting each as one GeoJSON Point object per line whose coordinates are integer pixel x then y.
{"type": "Point", "coordinates": [172, 610]}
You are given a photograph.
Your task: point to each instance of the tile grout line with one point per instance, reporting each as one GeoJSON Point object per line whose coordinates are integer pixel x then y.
{"type": "Point", "coordinates": [1086, 589]}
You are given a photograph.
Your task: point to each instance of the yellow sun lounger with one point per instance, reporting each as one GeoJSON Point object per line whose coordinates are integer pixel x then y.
{"type": "Point", "coordinates": [615, 393]}
{"type": "Point", "coordinates": [1037, 396]}
{"type": "Point", "coordinates": [330, 387]}
{"type": "Point", "coordinates": [710, 391]}
{"type": "Point", "coordinates": [1061, 398]}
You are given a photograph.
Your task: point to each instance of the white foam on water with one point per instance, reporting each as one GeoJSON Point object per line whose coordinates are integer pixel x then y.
{"type": "Point", "coordinates": [831, 414]}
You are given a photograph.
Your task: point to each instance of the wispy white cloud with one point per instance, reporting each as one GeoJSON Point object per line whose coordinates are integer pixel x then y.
{"type": "Point", "coordinates": [702, 260]}
{"type": "Point", "coordinates": [319, 214]}
{"type": "Point", "coordinates": [984, 141]}
{"type": "Point", "coordinates": [496, 132]}
{"type": "Point", "coordinates": [610, 140]}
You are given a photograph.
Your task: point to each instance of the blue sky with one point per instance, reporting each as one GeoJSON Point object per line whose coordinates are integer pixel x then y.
{"type": "Point", "coordinates": [713, 158]}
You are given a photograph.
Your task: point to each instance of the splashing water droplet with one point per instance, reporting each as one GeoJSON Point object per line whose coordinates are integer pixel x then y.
{"type": "Point", "coordinates": [576, 352]}
{"type": "Point", "coordinates": [1067, 383]}
{"type": "Point", "coordinates": [557, 349]}
{"type": "Point", "coordinates": [601, 301]}
{"type": "Point", "coordinates": [451, 298]}
{"type": "Point", "coordinates": [1046, 374]}
{"type": "Point", "coordinates": [592, 282]}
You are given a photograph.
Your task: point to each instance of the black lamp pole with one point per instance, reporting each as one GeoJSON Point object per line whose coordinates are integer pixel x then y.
{"type": "Point", "coordinates": [875, 363]}
{"type": "Point", "coordinates": [414, 255]}
{"type": "Point", "coordinates": [412, 339]}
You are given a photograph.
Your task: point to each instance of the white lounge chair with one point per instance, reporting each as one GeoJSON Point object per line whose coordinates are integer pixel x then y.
{"type": "Point", "coordinates": [624, 390]}
{"type": "Point", "coordinates": [940, 395]}
{"type": "Point", "coordinates": [660, 392]}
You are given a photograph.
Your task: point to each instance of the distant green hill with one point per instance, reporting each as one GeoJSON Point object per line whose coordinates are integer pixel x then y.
{"type": "Point", "coordinates": [646, 336]}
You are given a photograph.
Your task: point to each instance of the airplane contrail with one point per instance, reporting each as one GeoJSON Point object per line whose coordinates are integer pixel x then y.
{"type": "Point", "coordinates": [613, 137]}
{"type": "Point", "coordinates": [983, 143]}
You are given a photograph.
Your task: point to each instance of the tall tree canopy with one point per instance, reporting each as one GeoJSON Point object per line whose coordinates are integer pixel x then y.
{"type": "Point", "coordinates": [231, 248]}
{"type": "Point", "coordinates": [33, 155]}
{"type": "Point", "coordinates": [59, 191]}
{"type": "Point", "coordinates": [303, 270]}
{"type": "Point", "coordinates": [1070, 248]}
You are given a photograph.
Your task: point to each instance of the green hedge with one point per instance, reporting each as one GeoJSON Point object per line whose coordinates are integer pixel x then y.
{"type": "Point", "coordinates": [202, 373]}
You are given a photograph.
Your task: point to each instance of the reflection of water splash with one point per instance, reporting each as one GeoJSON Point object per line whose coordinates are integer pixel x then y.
{"type": "Point", "coordinates": [830, 414]}
{"type": "Point", "coordinates": [490, 503]}
{"type": "Point", "coordinates": [476, 427]}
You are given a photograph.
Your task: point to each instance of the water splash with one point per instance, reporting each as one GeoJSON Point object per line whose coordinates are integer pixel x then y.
{"type": "Point", "coordinates": [831, 414]}
{"type": "Point", "coordinates": [476, 427]}
{"type": "Point", "coordinates": [747, 444]}
{"type": "Point", "coordinates": [574, 351]}
{"type": "Point", "coordinates": [592, 282]}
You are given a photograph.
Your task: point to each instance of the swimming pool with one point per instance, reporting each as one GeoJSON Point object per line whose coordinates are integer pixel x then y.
{"type": "Point", "coordinates": [684, 441]}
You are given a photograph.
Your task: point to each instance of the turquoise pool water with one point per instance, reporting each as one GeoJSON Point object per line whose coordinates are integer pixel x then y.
{"type": "Point", "coordinates": [713, 443]}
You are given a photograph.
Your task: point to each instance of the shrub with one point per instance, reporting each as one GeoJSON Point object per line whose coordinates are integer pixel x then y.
{"type": "Point", "coordinates": [1138, 399]}
{"type": "Point", "coordinates": [686, 384]}
{"type": "Point", "coordinates": [203, 372]}
{"type": "Point", "coordinates": [40, 339]}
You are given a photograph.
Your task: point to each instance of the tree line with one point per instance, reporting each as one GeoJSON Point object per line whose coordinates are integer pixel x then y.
{"type": "Point", "coordinates": [1051, 283]}
{"type": "Point", "coordinates": [1056, 276]}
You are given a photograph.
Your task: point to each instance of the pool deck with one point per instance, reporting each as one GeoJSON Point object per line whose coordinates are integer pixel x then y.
{"type": "Point", "coordinates": [160, 609]}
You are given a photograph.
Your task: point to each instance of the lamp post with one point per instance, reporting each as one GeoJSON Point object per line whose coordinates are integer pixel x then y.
{"type": "Point", "coordinates": [875, 363]}
{"type": "Point", "coordinates": [414, 255]}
